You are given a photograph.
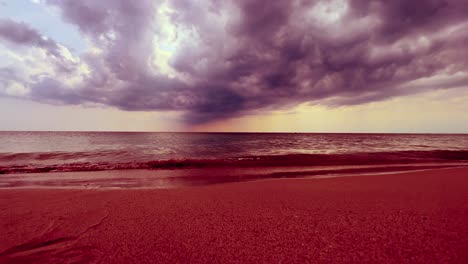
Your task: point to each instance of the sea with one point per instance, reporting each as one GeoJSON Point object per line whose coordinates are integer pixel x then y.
{"type": "Point", "coordinates": [167, 160]}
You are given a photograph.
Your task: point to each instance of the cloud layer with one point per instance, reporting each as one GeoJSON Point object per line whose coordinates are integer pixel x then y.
{"type": "Point", "coordinates": [216, 59]}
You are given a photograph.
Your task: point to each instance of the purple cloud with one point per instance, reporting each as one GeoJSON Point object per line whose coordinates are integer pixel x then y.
{"type": "Point", "coordinates": [21, 34]}
{"type": "Point", "coordinates": [233, 57]}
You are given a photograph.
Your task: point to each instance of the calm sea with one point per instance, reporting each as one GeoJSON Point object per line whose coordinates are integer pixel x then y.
{"type": "Point", "coordinates": [39, 152]}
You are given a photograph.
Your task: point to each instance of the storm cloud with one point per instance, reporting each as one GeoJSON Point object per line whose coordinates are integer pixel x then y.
{"type": "Point", "coordinates": [20, 34]}
{"type": "Point", "coordinates": [23, 34]}
{"type": "Point", "coordinates": [217, 59]}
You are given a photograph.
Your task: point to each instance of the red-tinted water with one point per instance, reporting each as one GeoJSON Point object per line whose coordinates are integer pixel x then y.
{"type": "Point", "coordinates": [39, 152]}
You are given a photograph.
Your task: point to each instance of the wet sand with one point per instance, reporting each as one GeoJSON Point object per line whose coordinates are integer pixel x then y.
{"type": "Point", "coordinates": [415, 217]}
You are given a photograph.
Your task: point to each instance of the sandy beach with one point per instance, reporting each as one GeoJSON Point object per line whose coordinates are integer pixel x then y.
{"type": "Point", "coordinates": [233, 131]}
{"type": "Point", "coordinates": [415, 217]}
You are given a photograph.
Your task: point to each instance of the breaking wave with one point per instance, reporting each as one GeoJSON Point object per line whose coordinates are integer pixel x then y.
{"type": "Point", "coordinates": [364, 158]}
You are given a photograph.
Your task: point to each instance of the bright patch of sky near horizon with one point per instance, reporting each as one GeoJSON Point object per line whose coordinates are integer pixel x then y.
{"type": "Point", "coordinates": [434, 110]}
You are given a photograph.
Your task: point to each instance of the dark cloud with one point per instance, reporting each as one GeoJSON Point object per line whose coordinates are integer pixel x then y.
{"type": "Point", "coordinates": [19, 33]}
{"type": "Point", "coordinates": [22, 34]}
{"type": "Point", "coordinates": [234, 57]}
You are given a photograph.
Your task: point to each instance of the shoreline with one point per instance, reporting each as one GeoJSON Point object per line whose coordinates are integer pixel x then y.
{"type": "Point", "coordinates": [170, 179]}
{"type": "Point", "coordinates": [417, 217]}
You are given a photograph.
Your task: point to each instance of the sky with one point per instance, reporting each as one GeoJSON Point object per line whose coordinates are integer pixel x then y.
{"type": "Point", "coordinates": [234, 65]}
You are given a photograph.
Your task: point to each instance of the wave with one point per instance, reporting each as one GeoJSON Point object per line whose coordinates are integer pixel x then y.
{"type": "Point", "coordinates": [59, 155]}
{"type": "Point", "coordinates": [367, 158]}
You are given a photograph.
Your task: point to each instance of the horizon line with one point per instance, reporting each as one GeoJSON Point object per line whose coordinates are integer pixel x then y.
{"type": "Point", "coordinates": [236, 132]}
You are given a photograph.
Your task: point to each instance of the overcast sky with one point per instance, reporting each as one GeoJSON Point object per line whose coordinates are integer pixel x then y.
{"type": "Point", "coordinates": [234, 65]}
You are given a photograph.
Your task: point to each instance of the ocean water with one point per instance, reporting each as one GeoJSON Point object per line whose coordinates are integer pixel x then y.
{"type": "Point", "coordinates": [58, 152]}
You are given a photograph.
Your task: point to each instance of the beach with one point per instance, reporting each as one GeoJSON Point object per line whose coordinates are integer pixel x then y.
{"type": "Point", "coordinates": [413, 217]}
{"type": "Point", "coordinates": [219, 131]}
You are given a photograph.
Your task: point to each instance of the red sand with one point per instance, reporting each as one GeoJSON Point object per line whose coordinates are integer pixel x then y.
{"type": "Point", "coordinates": [417, 217]}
